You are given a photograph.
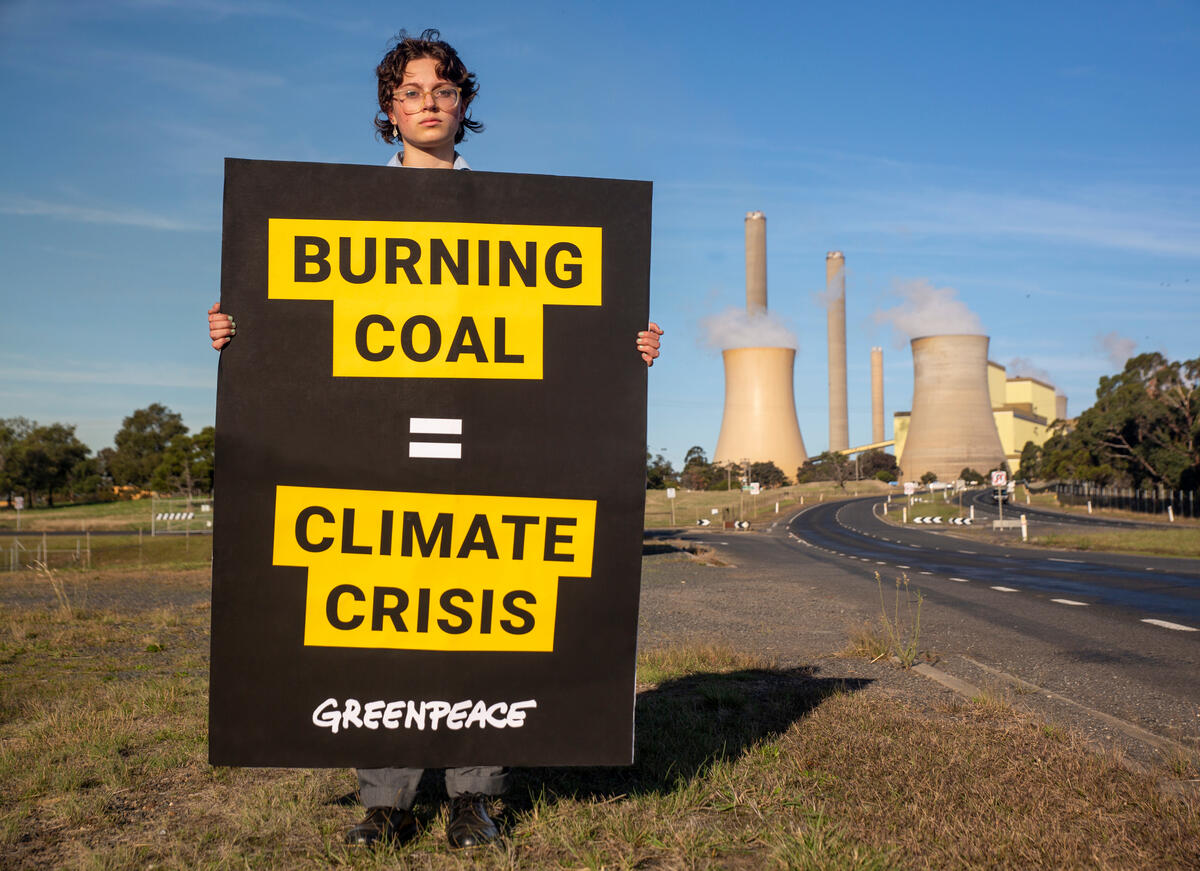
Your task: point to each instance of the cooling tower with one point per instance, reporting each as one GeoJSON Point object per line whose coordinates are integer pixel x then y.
{"type": "Point", "coordinates": [1060, 406]}
{"type": "Point", "coordinates": [835, 298]}
{"type": "Point", "coordinates": [877, 395]}
{"type": "Point", "coordinates": [951, 425]}
{"type": "Point", "coordinates": [756, 263]}
{"type": "Point", "coordinates": [759, 421]}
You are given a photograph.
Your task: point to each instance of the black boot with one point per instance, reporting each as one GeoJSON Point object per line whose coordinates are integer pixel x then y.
{"type": "Point", "coordinates": [469, 824]}
{"type": "Point", "coordinates": [393, 825]}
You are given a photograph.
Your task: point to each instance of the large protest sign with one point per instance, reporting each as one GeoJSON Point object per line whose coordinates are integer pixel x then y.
{"type": "Point", "coordinates": [430, 467]}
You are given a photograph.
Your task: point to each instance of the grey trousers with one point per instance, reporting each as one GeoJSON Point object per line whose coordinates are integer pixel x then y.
{"type": "Point", "coordinates": [397, 787]}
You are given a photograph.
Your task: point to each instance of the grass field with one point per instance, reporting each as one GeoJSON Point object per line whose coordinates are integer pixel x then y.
{"type": "Point", "coordinates": [740, 764]}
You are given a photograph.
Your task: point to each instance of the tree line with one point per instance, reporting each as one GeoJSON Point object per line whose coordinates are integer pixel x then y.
{"type": "Point", "coordinates": [700, 474]}
{"type": "Point", "coordinates": [1143, 431]}
{"type": "Point", "coordinates": [153, 451]}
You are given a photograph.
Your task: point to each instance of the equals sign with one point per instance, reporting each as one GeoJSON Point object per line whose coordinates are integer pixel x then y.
{"type": "Point", "coordinates": [435, 426]}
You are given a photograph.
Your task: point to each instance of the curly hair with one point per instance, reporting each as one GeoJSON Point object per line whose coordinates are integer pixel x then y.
{"type": "Point", "coordinates": [390, 74]}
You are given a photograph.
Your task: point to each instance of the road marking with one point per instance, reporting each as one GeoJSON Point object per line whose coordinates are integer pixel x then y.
{"type": "Point", "coordinates": [927, 573]}
{"type": "Point", "coordinates": [968, 551]}
{"type": "Point", "coordinates": [1167, 625]}
{"type": "Point", "coordinates": [1055, 559]}
{"type": "Point", "coordinates": [1005, 589]}
{"type": "Point", "coordinates": [903, 567]}
{"type": "Point", "coordinates": [961, 580]}
{"type": "Point", "coordinates": [878, 563]}
{"type": "Point", "coordinates": [1069, 602]}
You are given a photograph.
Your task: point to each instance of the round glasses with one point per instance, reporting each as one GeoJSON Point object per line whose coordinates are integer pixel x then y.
{"type": "Point", "coordinates": [412, 100]}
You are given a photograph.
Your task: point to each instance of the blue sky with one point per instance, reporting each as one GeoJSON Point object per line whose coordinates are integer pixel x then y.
{"type": "Point", "coordinates": [1041, 159]}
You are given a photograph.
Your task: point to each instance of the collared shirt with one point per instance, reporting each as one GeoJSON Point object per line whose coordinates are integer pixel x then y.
{"type": "Point", "coordinates": [459, 162]}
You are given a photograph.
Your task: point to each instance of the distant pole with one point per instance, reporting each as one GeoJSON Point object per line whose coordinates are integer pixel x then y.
{"type": "Point", "coordinates": [1024, 529]}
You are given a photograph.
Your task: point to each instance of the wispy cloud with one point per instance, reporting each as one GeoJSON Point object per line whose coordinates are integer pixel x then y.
{"type": "Point", "coordinates": [18, 205]}
{"type": "Point", "coordinates": [1130, 226]}
{"type": "Point", "coordinates": [24, 372]}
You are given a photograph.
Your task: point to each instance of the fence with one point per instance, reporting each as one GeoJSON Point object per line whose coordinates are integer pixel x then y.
{"type": "Point", "coordinates": [1182, 503]}
{"type": "Point", "coordinates": [75, 553]}
{"type": "Point", "coordinates": [176, 516]}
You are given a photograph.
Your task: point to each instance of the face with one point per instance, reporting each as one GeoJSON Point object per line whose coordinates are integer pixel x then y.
{"type": "Point", "coordinates": [430, 128]}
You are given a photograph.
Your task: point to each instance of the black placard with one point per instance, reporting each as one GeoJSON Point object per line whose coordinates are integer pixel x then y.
{"type": "Point", "coordinates": [378, 600]}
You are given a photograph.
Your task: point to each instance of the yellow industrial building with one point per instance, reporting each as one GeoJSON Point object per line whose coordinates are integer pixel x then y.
{"type": "Point", "coordinates": [1023, 408]}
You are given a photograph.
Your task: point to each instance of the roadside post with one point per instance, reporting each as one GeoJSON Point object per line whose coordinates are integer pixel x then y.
{"type": "Point", "coordinates": [19, 504]}
{"type": "Point", "coordinates": [999, 482]}
{"type": "Point", "coordinates": [671, 499]}
{"type": "Point", "coordinates": [1024, 529]}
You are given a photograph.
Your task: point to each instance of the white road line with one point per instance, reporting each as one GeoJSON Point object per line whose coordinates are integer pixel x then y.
{"type": "Point", "coordinates": [927, 573]}
{"type": "Point", "coordinates": [1070, 602]}
{"type": "Point", "coordinates": [968, 551]}
{"type": "Point", "coordinates": [1055, 559]}
{"type": "Point", "coordinates": [904, 567]}
{"type": "Point", "coordinates": [1005, 589]}
{"type": "Point", "coordinates": [1167, 625]}
{"type": "Point", "coordinates": [961, 580]}
{"type": "Point", "coordinates": [878, 563]}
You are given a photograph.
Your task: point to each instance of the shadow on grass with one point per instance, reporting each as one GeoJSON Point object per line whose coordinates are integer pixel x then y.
{"type": "Point", "coordinates": [684, 726]}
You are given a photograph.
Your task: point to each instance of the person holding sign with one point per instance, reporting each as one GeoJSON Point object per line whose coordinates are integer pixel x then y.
{"type": "Point", "coordinates": [425, 93]}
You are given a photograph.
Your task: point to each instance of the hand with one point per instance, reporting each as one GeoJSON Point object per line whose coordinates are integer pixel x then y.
{"type": "Point", "coordinates": [647, 343]}
{"type": "Point", "coordinates": [221, 327]}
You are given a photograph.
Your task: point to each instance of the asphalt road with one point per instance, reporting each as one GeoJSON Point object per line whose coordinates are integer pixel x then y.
{"type": "Point", "coordinates": [1068, 635]}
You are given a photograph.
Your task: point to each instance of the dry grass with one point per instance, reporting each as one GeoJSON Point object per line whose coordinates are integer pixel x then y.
{"type": "Point", "coordinates": [734, 504]}
{"type": "Point", "coordinates": [896, 633]}
{"type": "Point", "coordinates": [1168, 541]}
{"type": "Point", "coordinates": [740, 764]}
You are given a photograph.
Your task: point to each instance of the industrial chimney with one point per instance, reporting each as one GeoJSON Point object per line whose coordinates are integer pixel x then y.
{"type": "Point", "coordinates": [835, 297]}
{"type": "Point", "coordinates": [877, 395]}
{"type": "Point", "coordinates": [951, 426]}
{"type": "Point", "coordinates": [759, 422]}
{"type": "Point", "coordinates": [756, 263]}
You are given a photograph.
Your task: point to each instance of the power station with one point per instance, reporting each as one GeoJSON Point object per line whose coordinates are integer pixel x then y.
{"type": "Point", "coordinates": [966, 412]}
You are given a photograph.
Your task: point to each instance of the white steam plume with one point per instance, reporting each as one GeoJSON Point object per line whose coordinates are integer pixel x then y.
{"type": "Point", "coordinates": [1022, 367]}
{"type": "Point", "coordinates": [1118, 348]}
{"type": "Point", "coordinates": [737, 328]}
{"type": "Point", "coordinates": [925, 310]}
